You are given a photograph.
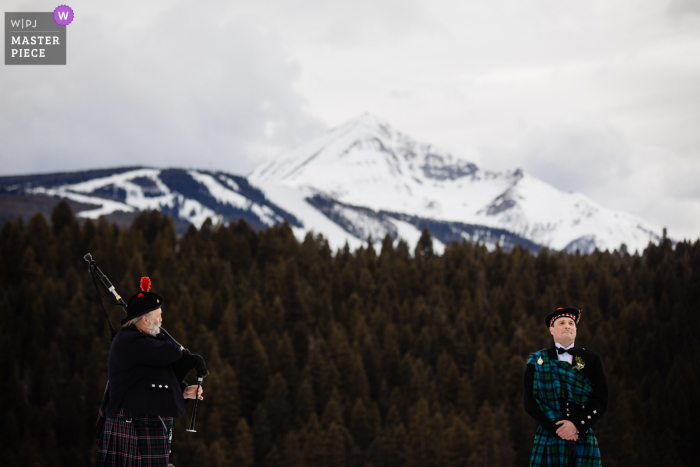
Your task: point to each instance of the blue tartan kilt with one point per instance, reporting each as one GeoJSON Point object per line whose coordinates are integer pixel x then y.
{"type": "Point", "coordinates": [550, 450]}
{"type": "Point", "coordinates": [145, 442]}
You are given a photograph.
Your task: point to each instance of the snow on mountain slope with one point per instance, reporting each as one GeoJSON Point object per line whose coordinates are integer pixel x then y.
{"type": "Point", "coordinates": [316, 221]}
{"type": "Point", "coordinates": [360, 180]}
{"type": "Point", "coordinates": [131, 196]}
{"type": "Point", "coordinates": [365, 163]}
{"type": "Point", "coordinates": [548, 216]}
{"type": "Point", "coordinates": [188, 195]}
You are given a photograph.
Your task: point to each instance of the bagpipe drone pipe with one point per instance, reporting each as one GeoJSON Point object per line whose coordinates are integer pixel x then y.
{"type": "Point", "coordinates": [181, 368]}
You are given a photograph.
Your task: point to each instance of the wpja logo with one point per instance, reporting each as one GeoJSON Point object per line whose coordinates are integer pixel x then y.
{"type": "Point", "coordinates": [37, 38]}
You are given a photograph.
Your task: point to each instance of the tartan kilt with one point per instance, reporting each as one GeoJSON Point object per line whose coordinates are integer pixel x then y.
{"type": "Point", "coordinates": [550, 450]}
{"type": "Point", "coordinates": [145, 442]}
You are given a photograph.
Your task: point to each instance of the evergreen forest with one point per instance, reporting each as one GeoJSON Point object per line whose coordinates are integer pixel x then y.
{"type": "Point", "coordinates": [385, 356]}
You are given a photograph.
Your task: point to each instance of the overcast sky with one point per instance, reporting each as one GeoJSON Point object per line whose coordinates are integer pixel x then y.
{"type": "Point", "coordinates": [599, 97]}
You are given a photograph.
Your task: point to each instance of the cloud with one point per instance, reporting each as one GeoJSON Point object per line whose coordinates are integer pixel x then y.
{"type": "Point", "coordinates": [601, 162]}
{"type": "Point", "coordinates": [189, 85]}
{"type": "Point", "coordinates": [577, 156]}
{"type": "Point", "coordinates": [340, 24]}
{"type": "Point", "coordinates": [681, 8]}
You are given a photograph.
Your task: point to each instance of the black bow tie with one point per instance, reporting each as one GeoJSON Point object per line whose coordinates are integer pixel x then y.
{"type": "Point", "coordinates": [571, 351]}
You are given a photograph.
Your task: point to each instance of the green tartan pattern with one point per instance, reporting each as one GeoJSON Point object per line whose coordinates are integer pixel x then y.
{"type": "Point", "coordinates": [550, 450]}
{"type": "Point", "coordinates": [554, 379]}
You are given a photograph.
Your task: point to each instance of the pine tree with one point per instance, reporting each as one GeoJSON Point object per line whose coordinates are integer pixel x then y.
{"type": "Point", "coordinates": [421, 438]}
{"type": "Point", "coordinates": [424, 247]}
{"type": "Point", "coordinates": [398, 448]}
{"type": "Point", "coordinates": [448, 379]}
{"type": "Point", "coordinates": [244, 452]}
{"type": "Point", "coordinates": [305, 403]}
{"type": "Point", "coordinates": [229, 404]}
{"type": "Point", "coordinates": [286, 362]}
{"type": "Point", "coordinates": [457, 445]}
{"type": "Point", "coordinates": [262, 433]}
{"type": "Point", "coordinates": [486, 440]}
{"type": "Point", "coordinates": [333, 412]}
{"type": "Point", "coordinates": [253, 372]}
{"type": "Point", "coordinates": [277, 406]}
{"type": "Point", "coordinates": [292, 456]}
{"type": "Point", "coordinates": [300, 343]}
{"type": "Point", "coordinates": [484, 379]}
{"type": "Point", "coordinates": [273, 458]}
{"type": "Point", "coordinates": [361, 426]}
{"type": "Point", "coordinates": [335, 446]}
{"type": "Point", "coordinates": [314, 444]}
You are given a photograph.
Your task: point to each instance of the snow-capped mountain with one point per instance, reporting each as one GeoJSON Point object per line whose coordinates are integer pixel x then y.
{"type": "Point", "coordinates": [187, 195]}
{"type": "Point", "coordinates": [368, 177]}
{"type": "Point", "coordinates": [360, 180]}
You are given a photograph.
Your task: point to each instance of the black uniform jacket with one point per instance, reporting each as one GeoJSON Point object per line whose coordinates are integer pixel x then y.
{"type": "Point", "coordinates": [141, 380]}
{"type": "Point", "coordinates": [584, 417]}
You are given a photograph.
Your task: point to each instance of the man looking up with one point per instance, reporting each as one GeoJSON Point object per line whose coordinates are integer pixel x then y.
{"type": "Point", "coordinates": [566, 393]}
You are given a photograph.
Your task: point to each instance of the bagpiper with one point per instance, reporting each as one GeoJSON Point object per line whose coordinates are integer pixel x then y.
{"type": "Point", "coordinates": [143, 394]}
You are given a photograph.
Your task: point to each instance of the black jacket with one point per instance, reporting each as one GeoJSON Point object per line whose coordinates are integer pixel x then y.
{"type": "Point", "coordinates": [583, 417]}
{"type": "Point", "coordinates": [141, 380]}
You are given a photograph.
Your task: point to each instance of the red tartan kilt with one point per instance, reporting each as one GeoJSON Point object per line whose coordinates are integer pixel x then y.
{"type": "Point", "coordinates": [145, 442]}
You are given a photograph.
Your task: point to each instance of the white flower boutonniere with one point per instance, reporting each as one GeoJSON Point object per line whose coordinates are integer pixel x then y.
{"type": "Point", "coordinates": [579, 363]}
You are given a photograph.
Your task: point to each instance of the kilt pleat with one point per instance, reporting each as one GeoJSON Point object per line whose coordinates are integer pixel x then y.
{"type": "Point", "coordinates": [145, 442]}
{"type": "Point", "coordinates": [550, 450]}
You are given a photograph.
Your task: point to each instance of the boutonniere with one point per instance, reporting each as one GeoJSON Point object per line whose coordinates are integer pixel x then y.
{"type": "Point", "coordinates": [579, 363]}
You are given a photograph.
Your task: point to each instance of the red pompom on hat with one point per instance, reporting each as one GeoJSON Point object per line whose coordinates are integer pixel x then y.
{"type": "Point", "coordinates": [142, 302]}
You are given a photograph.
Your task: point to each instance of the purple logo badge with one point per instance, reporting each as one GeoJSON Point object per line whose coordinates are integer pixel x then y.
{"type": "Point", "coordinates": [63, 15]}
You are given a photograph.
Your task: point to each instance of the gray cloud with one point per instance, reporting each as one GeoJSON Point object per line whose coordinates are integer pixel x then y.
{"type": "Point", "coordinates": [340, 24]}
{"type": "Point", "coordinates": [580, 156]}
{"type": "Point", "coordinates": [681, 8]}
{"type": "Point", "coordinates": [181, 89]}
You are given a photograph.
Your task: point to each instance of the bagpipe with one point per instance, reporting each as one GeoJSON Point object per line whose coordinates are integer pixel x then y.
{"type": "Point", "coordinates": [181, 368]}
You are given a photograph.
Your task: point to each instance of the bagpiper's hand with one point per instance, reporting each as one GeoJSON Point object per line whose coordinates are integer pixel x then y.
{"type": "Point", "coordinates": [200, 366]}
{"type": "Point", "coordinates": [190, 391]}
{"type": "Point", "coordinates": [567, 430]}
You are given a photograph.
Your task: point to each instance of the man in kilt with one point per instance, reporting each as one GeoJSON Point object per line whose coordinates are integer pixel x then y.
{"type": "Point", "coordinates": [143, 394]}
{"type": "Point", "coordinates": [567, 393]}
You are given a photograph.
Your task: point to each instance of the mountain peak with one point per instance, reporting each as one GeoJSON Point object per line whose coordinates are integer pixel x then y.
{"type": "Point", "coordinates": [367, 164]}
{"type": "Point", "coordinates": [368, 120]}
{"type": "Point", "coordinates": [366, 147]}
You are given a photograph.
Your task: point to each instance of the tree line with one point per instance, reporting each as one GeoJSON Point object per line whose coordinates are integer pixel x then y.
{"type": "Point", "coordinates": [387, 356]}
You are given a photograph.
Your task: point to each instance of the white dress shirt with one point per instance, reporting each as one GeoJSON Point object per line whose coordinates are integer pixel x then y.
{"type": "Point", "coordinates": [565, 357]}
